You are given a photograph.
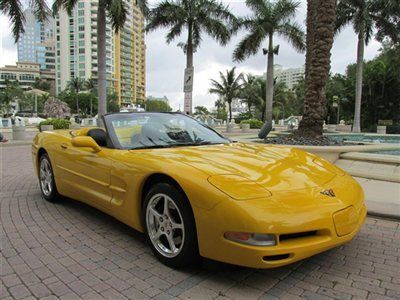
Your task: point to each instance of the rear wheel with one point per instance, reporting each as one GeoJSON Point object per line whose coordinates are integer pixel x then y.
{"type": "Point", "coordinates": [169, 226]}
{"type": "Point", "coordinates": [46, 179]}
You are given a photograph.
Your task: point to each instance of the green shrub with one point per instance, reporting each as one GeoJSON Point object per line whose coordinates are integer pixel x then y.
{"type": "Point", "coordinates": [254, 123]}
{"type": "Point", "coordinates": [243, 116]}
{"type": "Point", "coordinates": [57, 123]}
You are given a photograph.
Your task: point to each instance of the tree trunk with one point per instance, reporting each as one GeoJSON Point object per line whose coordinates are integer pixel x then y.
{"type": "Point", "coordinates": [359, 78]}
{"type": "Point", "coordinates": [230, 110]}
{"type": "Point", "coordinates": [101, 62]}
{"type": "Point", "coordinates": [189, 64]}
{"type": "Point", "coordinates": [77, 102]}
{"type": "Point", "coordinates": [269, 94]}
{"type": "Point", "coordinates": [321, 15]}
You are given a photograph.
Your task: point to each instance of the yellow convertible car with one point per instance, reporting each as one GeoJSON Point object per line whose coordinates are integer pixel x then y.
{"type": "Point", "coordinates": [197, 194]}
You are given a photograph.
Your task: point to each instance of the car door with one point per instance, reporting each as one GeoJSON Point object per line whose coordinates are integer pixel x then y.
{"type": "Point", "coordinates": [85, 174]}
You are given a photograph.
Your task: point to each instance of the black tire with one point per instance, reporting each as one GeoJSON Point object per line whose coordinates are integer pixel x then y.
{"type": "Point", "coordinates": [189, 252]}
{"type": "Point", "coordinates": [51, 194]}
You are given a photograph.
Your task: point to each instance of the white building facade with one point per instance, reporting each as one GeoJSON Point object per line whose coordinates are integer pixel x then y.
{"type": "Point", "coordinates": [289, 76]}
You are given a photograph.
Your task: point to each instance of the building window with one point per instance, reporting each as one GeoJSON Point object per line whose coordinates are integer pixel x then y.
{"type": "Point", "coordinates": [81, 35]}
{"type": "Point", "coordinates": [81, 28]}
{"type": "Point", "coordinates": [81, 4]}
{"type": "Point", "coordinates": [81, 20]}
{"type": "Point", "coordinates": [81, 12]}
{"type": "Point", "coordinates": [81, 50]}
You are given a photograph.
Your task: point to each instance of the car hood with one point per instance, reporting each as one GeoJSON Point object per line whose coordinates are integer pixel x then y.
{"type": "Point", "coordinates": [275, 168]}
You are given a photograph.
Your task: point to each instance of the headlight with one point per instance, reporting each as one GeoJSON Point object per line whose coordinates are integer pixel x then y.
{"type": "Point", "coordinates": [255, 239]}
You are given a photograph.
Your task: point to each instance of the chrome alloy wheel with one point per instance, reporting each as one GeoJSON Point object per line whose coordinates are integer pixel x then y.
{"type": "Point", "coordinates": [45, 177]}
{"type": "Point", "coordinates": [165, 225]}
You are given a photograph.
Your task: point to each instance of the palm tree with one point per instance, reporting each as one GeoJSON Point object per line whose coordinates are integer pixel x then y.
{"type": "Point", "coordinates": [76, 85]}
{"type": "Point", "coordinates": [269, 19]}
{"type": "Point", "coordinates": [364, 15]}
{"type": "Point", "coordinates": [117, 12]}
{"type": "Point", "coordinates": [14, 10]}
{"type": "Point", "coordinates": [197, 17]}
{"type": "Point", "coordinates": [91, 86]}
{"type": "Point", "coordinates": [250, 87]}
{"type": "Point", "coordinates": [321, 15]}
{"type": "Point", "coordinates": [228, 88]}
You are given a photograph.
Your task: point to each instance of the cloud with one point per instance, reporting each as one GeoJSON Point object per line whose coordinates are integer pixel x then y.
{"type": "Point", "coordinates": [165, 63]}
{"type": "Point", "coordinates": [8, 49]}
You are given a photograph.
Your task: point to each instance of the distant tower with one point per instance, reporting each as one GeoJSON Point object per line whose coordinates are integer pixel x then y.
{"type": "Point", "coordinates": [37, 42]}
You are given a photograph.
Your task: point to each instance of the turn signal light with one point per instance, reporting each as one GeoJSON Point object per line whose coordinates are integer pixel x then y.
{"type": "Point", "coordinates": [256, 239]}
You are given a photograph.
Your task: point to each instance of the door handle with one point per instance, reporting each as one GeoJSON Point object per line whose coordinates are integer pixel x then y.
{"type": "Point", "coordinates": [64, 146]}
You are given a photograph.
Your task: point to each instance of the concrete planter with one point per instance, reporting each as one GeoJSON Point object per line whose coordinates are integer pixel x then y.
{"type": "Point", "coordinates": [46, 127]}
{"type": "Point", "coordinates": [245, 127]}
{"type": "Point", "coordinates": [381, 129]}
{"type": "Point", "coordinates": [18, 133]}
{"type": "Point", "coordinates": [74, 126]}
{"type": "Point", "coordinates": [229, 127]}
{"type": "Point", "coordinates": [331, 127]}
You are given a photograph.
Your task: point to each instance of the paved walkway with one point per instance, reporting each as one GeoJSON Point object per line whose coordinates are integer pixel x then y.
{"type": "Point", "coordinates": [70, 251]}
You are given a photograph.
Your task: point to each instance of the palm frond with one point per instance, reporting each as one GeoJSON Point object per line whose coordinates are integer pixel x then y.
{"type": "Point", "coordinates": [257, 6]}
{"type": "Point", "coordinates": [344, 15]}
{"type": "Point", "coordinates": [40, 9]}
{"type": "Point", "coordinates": [165, 14]}
{"type": "Point", "coordinates": [117, 12]}
{"type": "Point", "coordinates": [250, 44]}
{"type": "Point", "coordinates": [293, 33]}
{"type": "Point", "coordinates": [216, 29]}
{"type": "Point", "coordinates": [285, 9]}
{"type": "Point", "coordinates": [13, 10]}
{"type": "Point", "coordinates": [144, 7]}
{"type": "Point", "coordinates": [174, 32]}
{"type": "Point", "coordinates": [68, 5]}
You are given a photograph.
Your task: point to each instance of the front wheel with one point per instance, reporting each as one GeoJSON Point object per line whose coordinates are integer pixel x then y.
{"type": "Point", "coordinates": [46, 179]}
{"type": "Point", "coordinates": [169, 226]}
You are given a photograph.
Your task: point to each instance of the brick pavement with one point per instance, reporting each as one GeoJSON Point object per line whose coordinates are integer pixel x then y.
{"type": "Point", "coordinates": [71, 251]}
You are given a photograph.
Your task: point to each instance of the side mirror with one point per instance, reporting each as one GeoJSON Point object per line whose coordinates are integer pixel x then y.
{"type": "Point", "coordinates": [85, 141]}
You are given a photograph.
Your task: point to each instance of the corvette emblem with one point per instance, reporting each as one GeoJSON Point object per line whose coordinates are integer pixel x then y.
{"type": "Point", "coordinates": [329, 193]}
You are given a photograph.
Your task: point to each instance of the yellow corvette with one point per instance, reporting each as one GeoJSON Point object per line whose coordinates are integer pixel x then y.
{"type": "Point", "coordinates": [195, 193]}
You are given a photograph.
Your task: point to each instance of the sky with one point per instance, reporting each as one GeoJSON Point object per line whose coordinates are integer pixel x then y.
{"type": "Point", "coordinates": [165, 63]}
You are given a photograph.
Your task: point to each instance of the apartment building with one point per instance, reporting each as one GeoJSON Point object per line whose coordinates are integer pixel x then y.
{"type": "Point", "coordinates": [26, 74]}
{"type": "Point", "coordinates": [289, 76]}
{"type": "Point", "coordinates": [76, 51]}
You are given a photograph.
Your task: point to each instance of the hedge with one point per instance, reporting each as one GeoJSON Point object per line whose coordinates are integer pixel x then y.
{"type": "Point", "coordinates": [254, 123]}
{"type": "Point", "coordinates": [57, 123]}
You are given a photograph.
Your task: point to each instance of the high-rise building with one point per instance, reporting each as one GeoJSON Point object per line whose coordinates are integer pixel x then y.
{"type": "Point", "coordinates": [76, 50]}
{"type": "Point", "coordinates": [289, 76]}
{"type": "Point", "coordinates": [37, 42]}
{"type": "Point", "coordinates": [129, 54]}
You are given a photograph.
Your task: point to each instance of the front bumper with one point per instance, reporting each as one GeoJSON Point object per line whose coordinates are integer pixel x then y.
{"type": "Point", "coordinates": [302, 227]}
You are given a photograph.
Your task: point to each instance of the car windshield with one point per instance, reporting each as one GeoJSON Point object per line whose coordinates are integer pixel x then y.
{"type": "Point", "coordinates": [159, 130]}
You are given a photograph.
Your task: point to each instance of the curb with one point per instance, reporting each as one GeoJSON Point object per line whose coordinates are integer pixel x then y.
{"type": "Point", "coordinates": [8, 144]}
{"type": "Point", "coordinates": [389, 217]}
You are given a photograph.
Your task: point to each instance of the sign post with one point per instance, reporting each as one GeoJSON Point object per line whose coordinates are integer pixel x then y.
{"type": "Point", "coordinates": [188, 89]}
